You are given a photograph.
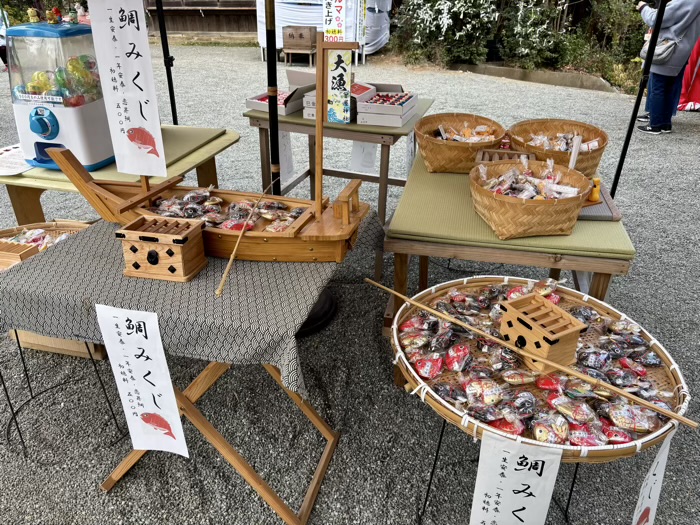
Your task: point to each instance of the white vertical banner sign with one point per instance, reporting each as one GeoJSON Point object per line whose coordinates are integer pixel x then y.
{"type": "Point", "coordinates": [648, 501]}
{"type": "Point", "coordinates": [286, 157]}
{"type": "Point", "coordinates": [363, 157]}
{"type": "Point", "coordinates": [410, 151]}
{"type": "Point", "coordinates": [123, 55]}
{"type": "Point", "coordinates": [143, 380]}
{"type": "Point", "coordinates": [361, 33]}
{"type": "Point", "coordinates": [334, 12]}
{"type": "Point", "coordinates": [514, 483]}
{"type": "Point", "coordinates": [339, 75]}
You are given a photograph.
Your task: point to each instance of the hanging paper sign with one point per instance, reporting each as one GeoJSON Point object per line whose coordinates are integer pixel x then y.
{"type": "Point", "coordinates": [121, 44]}
{"type": "Point", "coordinates": [361, 33]}
{"type": "Point", "coordinates": [648, 501]}
{"type": "Point", "coordinates": [363, 157]}
{"type": "Point", "coordinates": [286, 157]}
{"type": "Point", "coordinates": [339, 81]}
{"type": "Point", "coordinates": [143, 380]}
{"type": "Point", "coordinates": [410, 151]}
{"type": "Point", "coordinates": [514, 483]}
{"type": "Point", "coordinates": [334, 20]}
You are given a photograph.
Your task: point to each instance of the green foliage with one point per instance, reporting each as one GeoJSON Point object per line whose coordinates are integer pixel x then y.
{"type": "Point", "coordinates": [532, 32]}
{"type": "Point", "coordinates": [444, 31]}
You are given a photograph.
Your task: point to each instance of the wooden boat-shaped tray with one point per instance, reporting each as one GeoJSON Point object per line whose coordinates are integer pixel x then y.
{"type": "Point", "coordinates": [305, 240]}
{"type": "Point", "coordinates": [667, 377]}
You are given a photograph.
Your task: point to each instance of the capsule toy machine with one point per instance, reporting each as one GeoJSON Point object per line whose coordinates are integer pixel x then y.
{"type": "Point", "coordinates": [57, 95]}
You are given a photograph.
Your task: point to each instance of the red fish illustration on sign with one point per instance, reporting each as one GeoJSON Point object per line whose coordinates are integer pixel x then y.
{"type": "Point", "coordinates": [143, 139]}
{"type": "Point", "coordinates": [159, 423]}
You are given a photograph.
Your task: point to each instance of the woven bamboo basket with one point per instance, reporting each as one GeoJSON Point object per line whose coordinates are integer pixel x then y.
{"type": "Point", "coordinates": [512, 218]}
{"type": "Point", "coordinates": [446, 156]}
{"type": "Point", "coordinates": [56, 228]}
{"type": "Point", "coordinates": [668, 377]}
{"type": "Point", "coordinates": [587, 162]}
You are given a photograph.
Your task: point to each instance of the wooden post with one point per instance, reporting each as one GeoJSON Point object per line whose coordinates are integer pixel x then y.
{"type": "Point", "coordinates": [322, 109]}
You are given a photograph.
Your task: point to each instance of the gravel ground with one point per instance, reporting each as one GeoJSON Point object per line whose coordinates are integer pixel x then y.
{"type": "Point", "coordinates": [384, 457]}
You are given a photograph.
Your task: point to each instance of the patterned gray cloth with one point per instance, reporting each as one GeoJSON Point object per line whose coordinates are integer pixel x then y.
{"type": "Point", "coordinates": [253, 322]}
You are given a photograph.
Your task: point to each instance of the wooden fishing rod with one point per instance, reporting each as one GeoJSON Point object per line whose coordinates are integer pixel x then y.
{"type": "Point", "coordinates": [227, 271]}
{"type": "Point", "coordinates": [590, 380]}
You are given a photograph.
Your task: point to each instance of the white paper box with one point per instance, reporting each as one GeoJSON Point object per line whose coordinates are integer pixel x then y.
{"type": "Point", "coordinates": [381, 119]}
{"type": "Point", "coordinates": [369, 91]}
{"type": "Point", "coordinates": [310, 113]}
{"type": "Point", "coordinates": [386, 109]}
{"type": "Point", "coordinates": [293, 103]}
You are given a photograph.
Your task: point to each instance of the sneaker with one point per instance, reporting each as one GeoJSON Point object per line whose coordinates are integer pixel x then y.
{"type": "Point", "coordinates": [643, 118]}
{"type": "Point", "coordinates": [653, 131]}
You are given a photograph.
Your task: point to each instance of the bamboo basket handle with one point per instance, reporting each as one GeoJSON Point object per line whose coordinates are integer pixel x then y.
{"type": "Point", "coordinates": [595, 382]}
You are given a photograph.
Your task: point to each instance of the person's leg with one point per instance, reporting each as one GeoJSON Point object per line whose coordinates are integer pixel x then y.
{"type": "Point", "coordinates": [647, 106]}
{"type": "Point", "coordinates": [677, 90]}
{"type": "Point", "coordinates": [3, 55]}
{"type": "Point", "coordinates": [661, 101]}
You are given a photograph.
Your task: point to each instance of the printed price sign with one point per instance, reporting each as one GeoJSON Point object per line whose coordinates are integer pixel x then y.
{"type": "Point", "coordinates": [648, 501]}
{"type": "Point", "coordinates": [514, 483]}
{"type": "Point", "coordinates": [121, 44]}
{"type": "Point", "coordinates": [334, 20]}
{"type": "Point", "coordinates": [143, 380]}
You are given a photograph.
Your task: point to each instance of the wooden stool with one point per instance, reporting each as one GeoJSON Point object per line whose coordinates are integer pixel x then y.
{"type": "Point", "coordinates": [289, 52]}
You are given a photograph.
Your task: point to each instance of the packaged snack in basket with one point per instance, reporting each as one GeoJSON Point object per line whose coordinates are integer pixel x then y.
{"type": "Point", "coordinates": [279, 225]}
{"type": "Point", "coordinates": [415, 338]}
{"type": "Point", "coordinates": [635, 367]}
{"type": "Point", "coordinates": [430, 366]}
{"type": "Point", "coordinates": [518, 377]}
{"type": "Point", "coordinates": [551, 428]}
{"type": "Point", "coordinates": [633, 418]}
{"type": "Point", "coordinates": [485, 391]}
{"type": "Point", "coordinates": [583, 435]}
{"type": "Point", "coordinates": [575, 410]}
{"type": "Point", "coordinates": [521, 405]}
{"type": "Point", "coordinates": [484, 412]}
{"type": "Point", "coordinates": [198, 196]}
{"type": "Point", "coordinates": [458, 357]}
{"type": "Point", "coordinates": [420, 321]}
{"type": "Point", "coordinates": [591, 357]}
{"type": "Point", "coordinates": [237, 225]}
{"type": "Point", "coordinates": [551, 382]}
{"type": "Point", "coordinates": [192, 210]}
{"type": "Point", "coordinates": [514, 426]}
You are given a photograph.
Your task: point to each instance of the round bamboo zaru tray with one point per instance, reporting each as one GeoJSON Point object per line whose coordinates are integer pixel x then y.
{"type": "Point", "coordinates": [667, 377]}
{"type": "Point", "coordinates": [55, 228]}
{"type": "Point", "coordinates": [587, 161]}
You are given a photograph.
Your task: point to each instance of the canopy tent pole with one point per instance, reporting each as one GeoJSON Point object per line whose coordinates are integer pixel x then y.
{"type": "Point", "coordinates": [271, 44]}
{"type": "Point", "coordinates": [642, 86]}
{"type": "Point", "coordinates": [167, 58]}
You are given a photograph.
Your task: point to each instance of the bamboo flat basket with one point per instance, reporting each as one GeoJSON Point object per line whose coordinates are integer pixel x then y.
{"type": "Point", "coordinates": [446, 156]}
{"type": "Point", "coordinates": [513, 218]}
{"type": "Point", "coordinates": [587, 162]}
{"type": "Point", "coordinates": [668, 377]}
{"type": "Point", "coordinates": [57, 228]}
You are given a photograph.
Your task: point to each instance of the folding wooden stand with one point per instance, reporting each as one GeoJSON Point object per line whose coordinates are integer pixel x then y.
{"type": "Point", "coordinates": [186, 400]}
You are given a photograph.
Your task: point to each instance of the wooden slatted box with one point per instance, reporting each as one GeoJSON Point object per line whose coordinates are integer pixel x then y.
{"type": "Point", "coordinates": [533, 323]}
{"type": "Point", "coordinates": [12, 253]}
{"type": "Point", "coordinates": [163, 248]}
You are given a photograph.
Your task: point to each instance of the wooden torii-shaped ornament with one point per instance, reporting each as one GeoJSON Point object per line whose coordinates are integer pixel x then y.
{"type": "Point", "coordinates": [323, 48]}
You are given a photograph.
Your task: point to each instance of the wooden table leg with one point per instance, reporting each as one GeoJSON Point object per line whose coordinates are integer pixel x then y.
{"type": "Point", "coordinates": [206, 174]}
{"type": "Point", "coordinates": [599, 285]}
{"type": "Point", "coordinates": [424, 264]}
{"type": "Point", "coordinates": [265, 168]}
{"type": "Point", "coordinates": [26, 202]}
{"type": "Point", "coordinates": [312, 166]}
{"type": "Point", "coordinates": [555, 273]}
{"type": "Point", "coordinates": [401, 286]}
{"type": "Point", "coordinates": [383, 182]}
{"type": "Point", "coordinates": [197, 388]}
